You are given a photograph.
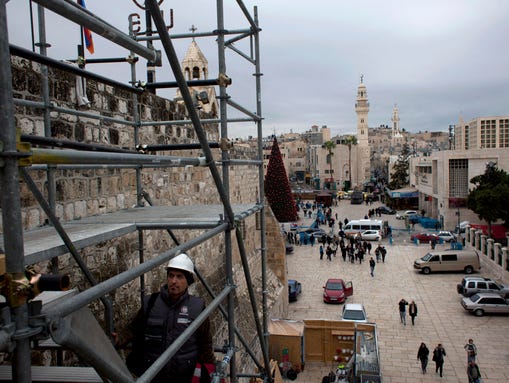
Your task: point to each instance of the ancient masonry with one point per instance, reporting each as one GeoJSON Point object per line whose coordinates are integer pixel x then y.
{"type": "Point", "coordinates": [83, 193]}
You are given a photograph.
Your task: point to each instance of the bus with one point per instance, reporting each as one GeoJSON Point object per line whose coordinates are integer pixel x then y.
{"type": "Point", "coordinates": [359, 225]}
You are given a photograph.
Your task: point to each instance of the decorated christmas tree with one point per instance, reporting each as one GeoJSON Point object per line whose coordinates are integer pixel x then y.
{"type": "Point", "coordinates": [277, 188]}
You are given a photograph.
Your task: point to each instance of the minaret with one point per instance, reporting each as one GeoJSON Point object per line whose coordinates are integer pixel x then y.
{"type": "Point", "coordinates": [363, 165]}
{"type": "Point", "coordinates": [362, 109]}
{"type": "Point", "coordinates": [396, 136]}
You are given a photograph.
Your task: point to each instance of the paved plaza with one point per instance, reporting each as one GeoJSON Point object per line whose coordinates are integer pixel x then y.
{"type": "Point", "coordinates": [440, 319]}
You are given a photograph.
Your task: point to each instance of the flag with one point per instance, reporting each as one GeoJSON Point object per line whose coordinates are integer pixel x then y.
{"type": "Point", "coordinates": [89, 43]}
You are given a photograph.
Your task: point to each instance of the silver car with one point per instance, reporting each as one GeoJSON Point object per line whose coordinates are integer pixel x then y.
{"type": "Point", "coordinates": [485, 303]}
{"type": "Point", "coordinates": [446, 236]}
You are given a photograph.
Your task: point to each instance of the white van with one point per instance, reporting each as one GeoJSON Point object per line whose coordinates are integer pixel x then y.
{"type": "Point", "coordinates": [466, 261]}
{"type": "Point", "coordinates": [356, 226]}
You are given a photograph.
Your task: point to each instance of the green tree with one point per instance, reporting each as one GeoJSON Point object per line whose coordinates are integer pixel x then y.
{"type": "Point", "coordinates": [349, 141]}
{"type": "Point", "coordinates": [400, 176]}
{"type": "Point", "coordinates": [277, 188]}
{"type": "Point", "coordinates": [329, 146]}
{"type": "Point", "coordinates": [489, 197]}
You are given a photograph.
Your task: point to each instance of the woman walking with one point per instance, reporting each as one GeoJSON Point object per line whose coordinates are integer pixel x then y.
{"type": "Point", "coordinates": [412, 311]}
{"type": "Point", "coordinates": [422, 355]}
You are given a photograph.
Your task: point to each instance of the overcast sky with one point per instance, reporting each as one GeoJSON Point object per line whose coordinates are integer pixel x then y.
{"type": "Point", "coordinates": [435, 59]}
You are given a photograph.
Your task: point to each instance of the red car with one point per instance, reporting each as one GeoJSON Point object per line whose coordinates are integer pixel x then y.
{"type": "Point", "coordinates": [336, 291]}
{"type": "Point", "coordinates": [424, 237]}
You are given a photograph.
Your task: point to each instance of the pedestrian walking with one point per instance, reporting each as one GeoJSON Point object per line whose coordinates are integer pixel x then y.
{"type": "Point", "coordinates": [412, 311]}
{"type": "Point", "coordinates": [438, 358]}
{"type": "Point", "coordinates": [402, 310]}
{"type": "Point", "coordinates": [328, 251]}
{"type": "Point", "coordinates": [372, 266]}
{"type": "Point", "coordinates": [383, 252]}
{"type": "Point", "coordinates": [321, 252]}
{"type": "Point", "coordinates": [422, 355]}
{"type": "Point", "coordinates": [471, 350]}
{"type": "Point", "coordinates": [473, 373]}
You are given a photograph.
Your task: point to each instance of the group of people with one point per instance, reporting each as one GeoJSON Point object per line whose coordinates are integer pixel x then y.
{"type": "Point", "coordinates": [473, 372]}
{"type": "Point", "coordinates": [412, 310]}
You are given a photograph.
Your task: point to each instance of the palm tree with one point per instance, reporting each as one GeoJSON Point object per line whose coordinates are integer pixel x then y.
{"type": "Point", "coordinates": [329, 145]}
{"type": "Point", "coordinates": [349, 141]}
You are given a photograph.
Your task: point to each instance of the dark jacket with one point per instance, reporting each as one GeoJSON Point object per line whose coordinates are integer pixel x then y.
{"type": "Point", "coordinates": [164, 323]}
{"type": "Point", "coordinates": [422, 353]}
{"type": "Point", "coordinates": [438, 354]}
{"type": "Point", "coordinates": [412, 309]}
{"type": "Point", "coordinates": [473, 372]}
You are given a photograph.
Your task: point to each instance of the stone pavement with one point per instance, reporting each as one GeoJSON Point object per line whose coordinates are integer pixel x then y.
{"type": "Point", "coordinates": [440, 319]}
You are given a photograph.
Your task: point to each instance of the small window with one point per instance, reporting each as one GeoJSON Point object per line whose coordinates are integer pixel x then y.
{"type": "Point", "coordinates": [449, 257]}
{"type": "Point", "coordinates": [493, 286]}
{"type": "Point", "coordinates": [481, 285]}
{"type": "Point", "coordinates": [471, 285]}
{"type": "Point", "coordinates": [435, 258]}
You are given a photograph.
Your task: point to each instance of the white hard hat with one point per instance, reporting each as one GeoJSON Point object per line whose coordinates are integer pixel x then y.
{"type": "Point", "coordinates": [181, 262]}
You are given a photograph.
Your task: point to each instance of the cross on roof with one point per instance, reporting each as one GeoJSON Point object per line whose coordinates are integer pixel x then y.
{"type": "Point", "coordinates": [193, 29]}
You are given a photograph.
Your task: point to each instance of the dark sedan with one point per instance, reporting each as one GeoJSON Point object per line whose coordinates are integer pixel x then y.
{"type": "Point", "coordinates": [386, 210]}
{"type": "Point", "coordinates": [294, 290]}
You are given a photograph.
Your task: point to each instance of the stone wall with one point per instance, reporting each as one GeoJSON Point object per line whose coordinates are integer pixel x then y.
{"type": "Point", "coordinates": [83, 193]}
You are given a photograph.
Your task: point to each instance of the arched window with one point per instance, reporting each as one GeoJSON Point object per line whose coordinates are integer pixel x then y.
{"type": "Point", "coordinates": [196, 72]}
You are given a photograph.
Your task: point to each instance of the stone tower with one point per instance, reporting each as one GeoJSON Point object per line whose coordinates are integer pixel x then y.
{"type": "Point", "coordinates": [396, 136]}
{"type": "Point", "coordinates": [195, 66]}
{"type": "Point", "coordinates": [362, 108]}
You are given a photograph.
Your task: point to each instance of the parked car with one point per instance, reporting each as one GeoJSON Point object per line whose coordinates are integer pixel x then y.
{"type": "Point", "coordinates": [386, 210]}
{"type": "Point", "coordinates": [446, 236]}
{"type": "Point", "coordinates": [336, 290]}
{"type": "Point", "coordinates": [485, 303]}
{"type": "Point", "coordinates": [317, 232]}
{"type": "Point", "coordinates": [406, 214]}
{"type": "Point", "coordinates": [473, 285]}
{"type": "Point", "coordinates": [424, 237]}
{"type": "Point", "coordinates": [354, 312]}
{"type": "Point", "coordinates": [371, 235]}
{"type": "Point", "coordinates": [294, 290]}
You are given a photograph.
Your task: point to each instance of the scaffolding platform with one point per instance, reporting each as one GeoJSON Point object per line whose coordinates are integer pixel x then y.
{"type": "Point", "coordinates": [44, 243]}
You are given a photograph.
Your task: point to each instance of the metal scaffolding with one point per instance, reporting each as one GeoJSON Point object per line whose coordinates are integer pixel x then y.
{"type": "Point", "coordinates": [21, 324]}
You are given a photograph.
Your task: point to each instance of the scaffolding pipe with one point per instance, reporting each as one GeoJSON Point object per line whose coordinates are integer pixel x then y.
{"type": "Point", "coordinates": [107, 60]}
{"type": "Point", "coordinates": [50, 172]}
{"type": "Point", "coordinates": [74, 112]}
{"type": "Point", "coordinates": [261, 186]}
{"type": "Point", "coordinates": [155, 36]}
{"type": "Point", "coordinates": [225, 316]}
{"type": "Point", "coordinates": [28, 54]}
{"type": "Point", "coordinates": [67, 156]}
{"type": "Point", "coordinates": [81, 16]}
{"type": "Point", "coordinates": [174, 84]}
{"type": "Point", "coordinates": [155, 148]}
{"type": "Point", "coordinates": [254, 306]}
{"type": "Point", "coordinates": [80, 300]}
{"type": "Point", "coordinates": [11, 203]}
{"type": "Point", "coordinates": [108, 306]}
{"type": "Point", "coordinates": [155, 11]}
{"type": "Point", "coordinates": [228, 266]}
{"type": "Point", "coordinates": [204, 121]}
{"type": "Point", "coordinates": [244, 110]}
{"type": "Point", "coordinates": [54, 142]}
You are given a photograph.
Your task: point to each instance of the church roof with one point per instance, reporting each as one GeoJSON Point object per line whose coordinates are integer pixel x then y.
{"type": "Point", "coordinates": [194, 54]}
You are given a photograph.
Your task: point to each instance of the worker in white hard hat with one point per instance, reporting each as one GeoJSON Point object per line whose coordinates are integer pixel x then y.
{"type": "Point", "coordinates": [166, 315]}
